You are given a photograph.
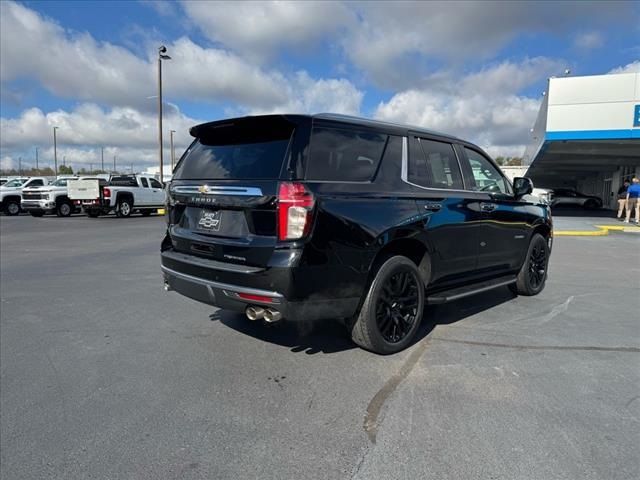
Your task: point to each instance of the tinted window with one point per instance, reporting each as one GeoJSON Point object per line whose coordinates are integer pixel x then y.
{"type": "Point", "coordinates": [391, 166]}
{"type": "Point", "coordinates": [144, 182]}
{"type": "Point", "coordinates": [417, 168]}
{"type": "Point", "coordinates": [123, 181]}
{"type": "Point", "coordinates": [155, 183]}
{"type": "Point", "coordinates": [344, 155]}
{"type": "Point", "coordinates": [442, 169]}
{"type": "Point", "coordinates": [486, 177]}
{"type": "Point", "coordinates": [243, 149]}
{"type": "Point", "coordinates": [36, 183]}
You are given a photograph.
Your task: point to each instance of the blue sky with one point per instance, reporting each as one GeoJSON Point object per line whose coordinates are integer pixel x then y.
{"type": "Point", "coordinates": [474, 69]}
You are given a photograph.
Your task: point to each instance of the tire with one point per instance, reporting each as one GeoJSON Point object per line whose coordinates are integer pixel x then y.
{"type": "Point", "coordinates": [12, 208]}
{"type": "Point", "coordinates": [533, 273]}
{"type": "Point", "coordinates": [125, 208]}
{"type": "Point", "coordinates": [384, 325]}
{"type": "Point", "coordinates": [146, 213]}
{"type": "Point", "coordinates": [64, 209]}
{"type": "Point", "coordinates": [93, 213]}
{"type": "Point", "coordinates": [36, 214]}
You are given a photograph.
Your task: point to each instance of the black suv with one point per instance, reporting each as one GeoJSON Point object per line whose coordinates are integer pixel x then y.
{"type": "Point", "coordinates": [303, 217]}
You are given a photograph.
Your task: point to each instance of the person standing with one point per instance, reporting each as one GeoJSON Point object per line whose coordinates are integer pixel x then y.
{"type": "Point", "coordinates": [622, 199]}
{"type": "Point", "coordinates": [633, 199]}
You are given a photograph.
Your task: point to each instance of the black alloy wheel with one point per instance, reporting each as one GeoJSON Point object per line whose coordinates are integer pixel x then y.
{"type": "Point", "coordinates": [533, 274]}
{"type": "Point", "coordinates": [396, 309]}
{"type": "Point", "coordinates": [392, 309]}
{"type": "Point", "coordinates": [537, 265]}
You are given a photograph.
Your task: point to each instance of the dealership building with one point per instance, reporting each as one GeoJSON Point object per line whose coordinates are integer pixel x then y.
{"type": "Point", "coordinates": [587, 135]}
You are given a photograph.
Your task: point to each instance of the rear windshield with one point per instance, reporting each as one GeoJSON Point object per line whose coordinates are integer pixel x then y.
{"type": "Point", "coordinates": [123, 181]}
{"type": "Point", "coordinates": [237, 151]}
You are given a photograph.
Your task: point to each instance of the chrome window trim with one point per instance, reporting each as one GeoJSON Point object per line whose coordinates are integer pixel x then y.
{"type": "Point", "coordinates": [219, 190]}
{"type": "Point", "coordinates": [405, 169]}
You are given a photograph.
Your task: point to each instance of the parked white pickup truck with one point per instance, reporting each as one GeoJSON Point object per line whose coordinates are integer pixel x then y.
{"type": "Point", "coordinates": [11, 193]}
{"type": "Point", "coordinates": [52, 198]}
{"type": "Point", "coordinates": [122, 194]}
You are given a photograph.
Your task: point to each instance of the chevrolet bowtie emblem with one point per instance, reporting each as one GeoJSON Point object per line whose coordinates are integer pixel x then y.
{"type": "Point", "coordinates": [203, 188]}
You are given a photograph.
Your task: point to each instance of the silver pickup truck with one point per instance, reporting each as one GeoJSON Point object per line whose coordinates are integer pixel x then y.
{"type": "Point", "coordinates": [122, 194]}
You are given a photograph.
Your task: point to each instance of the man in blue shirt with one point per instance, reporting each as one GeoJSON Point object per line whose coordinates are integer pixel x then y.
{"type": "Point", "coordinates": [633, 199]}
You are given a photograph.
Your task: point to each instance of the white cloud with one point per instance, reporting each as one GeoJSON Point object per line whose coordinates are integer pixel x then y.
{"type": "Point", "coordinates": [589, 40]}
{"type": "Point", "coordinates": [633, 67]}
{"type": "Point", "coordinates": [73, 65]}
{"type": "Point", "coordinates": [397, 43]}
{"type": "Point", "coordinates": [259, 28]}
{"type": "Point", "coordinates": [483, 107]}
{"type": "Point", "coordinates": [123, 131]}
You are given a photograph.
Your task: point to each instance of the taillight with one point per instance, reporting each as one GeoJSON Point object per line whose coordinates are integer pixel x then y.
{"type": "Point", "coordinates": [295, 210]}
{"type": "Point", "coordinates": [106, 192]}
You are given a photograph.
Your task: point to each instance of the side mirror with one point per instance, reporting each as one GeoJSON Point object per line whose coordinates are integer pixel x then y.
{"type": "Point", "coordinates": [522, 186]}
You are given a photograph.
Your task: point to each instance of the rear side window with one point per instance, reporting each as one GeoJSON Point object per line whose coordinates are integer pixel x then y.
{"type": "Point", "coordinates": [344, 155]}
{"type": "Point", "coordinates": [242, 150]}
{"type": "Point", "coordinates": [434, 165]}
{"type": "Point", "coordinates": [144, 182]}
{"type": "Point", "coordinates": [36, 183]}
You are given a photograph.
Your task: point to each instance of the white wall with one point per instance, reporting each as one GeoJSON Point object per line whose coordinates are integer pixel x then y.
{"type": "Point", "coordinates": [599, 102]}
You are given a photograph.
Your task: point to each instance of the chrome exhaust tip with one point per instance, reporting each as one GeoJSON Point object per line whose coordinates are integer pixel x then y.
{"type": "Point", "coordinates": [254, 313]}
{"type": "Point", "coordinates": [271, 315]}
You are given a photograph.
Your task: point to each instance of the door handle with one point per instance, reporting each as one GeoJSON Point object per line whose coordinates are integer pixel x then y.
{"type": "Point", "coordinates": [433, 207]}
{"type": "Point", "coordinates": [487, 207]}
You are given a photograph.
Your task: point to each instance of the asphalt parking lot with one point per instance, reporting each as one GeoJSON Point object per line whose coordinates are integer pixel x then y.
{"type": "Point", "coordinates": [105, 375]}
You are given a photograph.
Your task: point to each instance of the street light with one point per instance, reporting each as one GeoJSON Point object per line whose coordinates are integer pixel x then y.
{"type": "Point", "coordinates": [173, 152]}
{"type": "Point", "coordinates": [55, 152]}
{"type": "Point", "coordinates": [161, 56]}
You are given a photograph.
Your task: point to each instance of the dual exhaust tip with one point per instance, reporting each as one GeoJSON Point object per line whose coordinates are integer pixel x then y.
{"type": "Point", "coordinates": [270, 315]}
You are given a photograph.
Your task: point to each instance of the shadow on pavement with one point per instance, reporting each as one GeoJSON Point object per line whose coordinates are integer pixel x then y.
{"type": "Point", "coordinates": [331, 336]}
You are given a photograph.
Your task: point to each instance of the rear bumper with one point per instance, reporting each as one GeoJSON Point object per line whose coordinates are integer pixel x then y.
{"type": "Point", "coordinates": [232, 283]}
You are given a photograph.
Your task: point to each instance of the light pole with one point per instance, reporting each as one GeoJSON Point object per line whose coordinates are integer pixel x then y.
{"type": "Point", "coordinates": [161, 56]}
{"type": "Point", "coordinates": [102, 159]}
{"type": "Point", "coordinates": [114, 164]}
{"type": "Point", "coordinates": [20, 166]}
{"type": "Point", "coordinates": [37, 169]}
{"type": "Point", "coordinates": [173, 152]}
{"type": "Point", "coordinates": [55, 152]}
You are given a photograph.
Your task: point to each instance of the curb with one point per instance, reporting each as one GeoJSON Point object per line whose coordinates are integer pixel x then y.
{"type": "Point", "coordinates": [603, 230]}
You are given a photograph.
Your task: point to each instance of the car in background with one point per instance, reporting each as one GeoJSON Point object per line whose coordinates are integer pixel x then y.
{"type": "Point", "coordinates": [122, 194]}
{"type": "Point", "coordinates": [11, 192]}
{"type": "Point", "coordinates": [544, 194]}
{"type": "Point", "coordinates": [571, 197]}
{"type": "Point", "coordinates": [52, 198]}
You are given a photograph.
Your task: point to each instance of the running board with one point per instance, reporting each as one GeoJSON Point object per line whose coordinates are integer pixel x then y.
{"type": "Point", "coordinates": [468, 290]}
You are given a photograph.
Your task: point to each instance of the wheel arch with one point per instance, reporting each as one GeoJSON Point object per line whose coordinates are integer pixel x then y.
{"type": "Point", "coordinates": [411, 248]}
{"type": "Point", "coordinates": [125, 195]}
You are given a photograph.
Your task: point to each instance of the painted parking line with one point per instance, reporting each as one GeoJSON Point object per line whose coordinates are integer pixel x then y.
{"type": "Point", "coordinates": [602, 231]}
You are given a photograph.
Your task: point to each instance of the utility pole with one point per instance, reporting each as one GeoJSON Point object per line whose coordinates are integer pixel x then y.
{"type": "Point", "coordinates": [161, 56]}
{"type": "Point", "coordinates": [55, 152]}
{"type": "Point", "coordinates": [64, 160]}
{"type": "Point", "coordinates": [114, 164]}
{"type": "Point", "coordinates": [132, 168]}
{"type": "Point", "coordinates": [20, 166]}
{"type": "Point", "coordinates": [173, 152]}
{"type": "Point", "coordinates": [37, 169]}
{"type": "Point", "coordinates": [102, 158]}
{"type": "Point", "coordinates": [90, 168]}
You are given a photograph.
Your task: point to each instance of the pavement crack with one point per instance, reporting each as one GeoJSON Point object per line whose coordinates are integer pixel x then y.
{"type": "Point", "coordinates": [371, 422]}
{"type": "Point", "coordinates": [542, 347]}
